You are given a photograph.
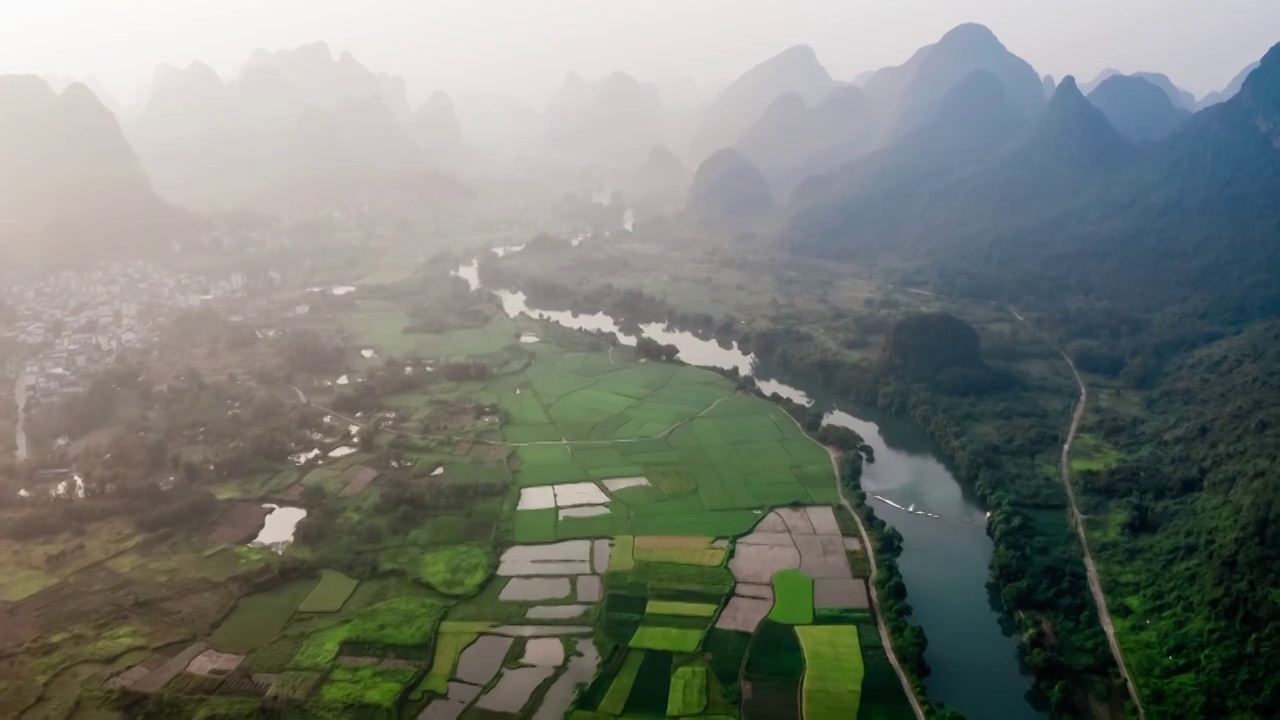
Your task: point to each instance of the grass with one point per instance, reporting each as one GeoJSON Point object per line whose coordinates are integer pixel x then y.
{"type": "Point", "coordinates": [833, 670]}
{"type": "Point", "coordinates": [1090, 453]}
{"type": "Point", "coordinates": [459, 570]}
{"type": "Point", "coordinates": [368, 685]}
{"type": "Point", "coordinates": [330, 595]}
{"type": "Point", "coordinates": [258, 618]}
{"type": "Point", "coordinates": [657, 637]}
{"type": "Point", "coordinates": [688, 694]}
{"type": "Point", "coordinates": [689, 609]}
{"type": "Point", "coordinates": [615, 700]}
{"type": "Point", "coordinates": [398, 621]}
{"type": "Point", "coordinates": [793, 598]}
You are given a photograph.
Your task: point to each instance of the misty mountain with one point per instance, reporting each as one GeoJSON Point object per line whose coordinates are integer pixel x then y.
{"type": "Point", "coordinates": [1230, 90]}
{"type": "Point", "coordinates": [1180, 98]}
{"type": "Point", "coordinates": [328, 83]}
{"type": "Point", "coordinates": [907, 95]}
{"type": "Point", "coordinates": [70, 185]}
{"type": "Point", "coordinates": [1141, 111]}
{"type": "Point", "coordinates": [60, 83]}
{"type": "Point", "coordinates": [615, 120]}
{"type": "Point", "coordinates": [734, 110]}
{"type": "Point", "coordinates": [1195, 215]}
{"type": "Point", "coordinates": [869, 199]}
{"type": "Point", "coordinates": [792, 141]}
{"type": "Point", "coordinates": [1088, 87]}
{"type": "Point", "coordinates": [295, 130]}
{"type": "Point", "coordinates": [435, 127]}
{"type": "Point", "coordinates": [662, 175]}
{"type": "Point", "coordinates": [1049, 85]}
{"type": "Point", "coordinates": [728, 191]}
{"type": "Point", "coordinates": [968, 171]}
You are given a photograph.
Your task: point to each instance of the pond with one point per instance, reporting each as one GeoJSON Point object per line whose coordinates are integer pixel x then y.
{"type": "Point", "coordinates": [277, 529]}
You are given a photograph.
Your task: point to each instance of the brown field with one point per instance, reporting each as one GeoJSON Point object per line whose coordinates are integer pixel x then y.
{"type": "Point", "coordinates": [357, 478]}
{"type": "Point", "coordinates": [239, 524]}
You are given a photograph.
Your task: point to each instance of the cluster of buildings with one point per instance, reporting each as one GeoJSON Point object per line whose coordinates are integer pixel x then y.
{"type": "Point", "coordinates": [75, 322]}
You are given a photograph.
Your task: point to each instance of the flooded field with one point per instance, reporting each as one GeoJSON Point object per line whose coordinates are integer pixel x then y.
{"type": "Point", "coordinates": [514, 689]}
{"type": "Point", "coordinates": [278, 526]}
{"type": "Point", "coordinates": [482, 659]}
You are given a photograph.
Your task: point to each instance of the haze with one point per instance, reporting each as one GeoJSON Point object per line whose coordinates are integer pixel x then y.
{"type": "Point", "coordinates": [525, 48]}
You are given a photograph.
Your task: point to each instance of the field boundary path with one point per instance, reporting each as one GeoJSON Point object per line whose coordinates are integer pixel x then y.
{"type": "Point", "coordinates": [1091, 568]}
{"type": "Point", "coordinates": [885, 640]}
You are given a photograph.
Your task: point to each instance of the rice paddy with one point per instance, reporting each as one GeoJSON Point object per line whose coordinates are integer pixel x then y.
{"type": "Point", "coordinates": [330, 594]}
{"type": "Point", "coordinates": [833, 670]}
{"type": "Point", "coordinates": [652, 544]}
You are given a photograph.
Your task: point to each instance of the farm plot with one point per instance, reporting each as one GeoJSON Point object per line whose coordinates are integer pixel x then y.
{"type": "Point", "coordinates": [688, 694]}
{"type": "Point", "coordinates": [728, 459]}
{"type": "Point", "coordinates": [793, 598]}
{"type": "Point", "coordinates": [833, 670]}
{"type": "Point", "coordinates": [400, 621]}
{"type": "Point", "coordinates": [330, 594]}
{"type": "Point", "coordinates": [680, 550]}
{"type": "Point", "coordinates": [772, 674]}
{"type": "Point", "coordinates": [258, 618]}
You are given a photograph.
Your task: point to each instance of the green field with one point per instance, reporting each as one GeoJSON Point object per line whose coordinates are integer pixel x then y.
{"type": "Point", "coordinates": [330, 594]}
{"type": "Point", "coordinates": [833, 670]}
{"type": "Point", "coordinates": [400, 621]}
{"type": "Point", "coordinates": [681, 551]}
{"type": "Point", "coordinates": [688, 691]}
{"type": "Point", "coordinates": [449, 645]}
{"type": "Point", "coordinates": [700, 461]}
{"type": "Point", "coordinates": [657, 637]}
{"type": "Point", "coordinates": [258, 618]}
{"type": "Point", "coordinates": [671, 607]}
{"type": "Point", "coordinates": [710, 455]}
{"type": "Point", "coordinates": [615, 700]}
{"type": "Point", "coordinates": [366, 687]}
{"type": "Point", "coordinates": [458, 570]}
{"type": "Point", "coordinates": [793, 598]}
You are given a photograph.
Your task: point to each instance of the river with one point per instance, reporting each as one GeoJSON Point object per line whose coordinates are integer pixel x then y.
{"type": "Point", "coordinates": [945, 549]}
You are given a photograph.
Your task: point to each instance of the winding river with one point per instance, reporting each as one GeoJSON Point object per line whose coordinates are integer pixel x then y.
{"type": "Point", "coordinates": [946, 551]}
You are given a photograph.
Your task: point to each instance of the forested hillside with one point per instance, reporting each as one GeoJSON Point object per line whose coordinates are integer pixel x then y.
{"type": "Point", "coordinates": [1157, 268]}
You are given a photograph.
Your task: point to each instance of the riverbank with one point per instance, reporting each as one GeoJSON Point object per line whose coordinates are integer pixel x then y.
{"type": "Point", "coordinates": [908, 687]}
{"type": "Point", "coordinates": [986, 683]}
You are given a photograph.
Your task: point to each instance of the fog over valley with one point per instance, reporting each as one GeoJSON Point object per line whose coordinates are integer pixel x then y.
{"type": "Point", "coordinates": [597, 361]}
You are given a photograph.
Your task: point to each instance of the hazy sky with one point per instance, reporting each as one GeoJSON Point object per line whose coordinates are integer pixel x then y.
{"type": "Point", "coordinates": [526, 46]}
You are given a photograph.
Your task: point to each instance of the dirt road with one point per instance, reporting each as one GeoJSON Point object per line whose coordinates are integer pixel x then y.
{"type": "Point", "coordinates": [1091, 569]}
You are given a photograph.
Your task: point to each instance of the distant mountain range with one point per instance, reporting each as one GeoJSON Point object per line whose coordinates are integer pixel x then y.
{"type": "Point", "coordinates": [1140, 110]}
{"type": "Point", "coordinates": [907, 95]}
{"type": "Point", "coordinates": [730, 114]}
{"type": "Point", "coordinates": [615, 120]}
{"type": "Point", "coordinates": [70, 186]}
{"type": "Point", "coordinates": [296, 128]}
{"type": "Point", "coordinates": [1069, 201]}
